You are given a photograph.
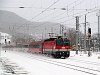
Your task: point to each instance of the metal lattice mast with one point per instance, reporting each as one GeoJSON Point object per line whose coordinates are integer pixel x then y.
{"type": "Point", "coordinates": [77, 33]}
{"type": "Point", "coordinates": [85, 35]}
{"type": "Point", "coordinates": [99, 30]}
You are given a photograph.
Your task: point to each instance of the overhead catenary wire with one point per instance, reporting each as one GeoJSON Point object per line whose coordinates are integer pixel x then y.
{"type": "Point", "coordinates": [42, 11]}
{"type": "Point", "coordinates": [61, 13]}
{"type": "Point", "coordinates": [45, 10]}
{"type": "Point", "coordinates": [61, 8]}
{"type": "Point", "coordinates": [68, 10]}
{"type": "Point", "coordinates": [83, 14]}
{"type": "Point", "coordinates": [92, 10]}
{"type": "Point", "coordinates": [48, 8]}
{"type": "Point", "coordinates": [69, 16]}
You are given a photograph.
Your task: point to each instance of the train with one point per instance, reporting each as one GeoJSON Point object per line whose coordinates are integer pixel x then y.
{"type": "Point", "coordinates": [57, 47]}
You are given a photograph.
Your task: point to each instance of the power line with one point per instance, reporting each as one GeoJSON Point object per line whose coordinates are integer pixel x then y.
{"type": "Point", "coordinates": [68, 10]}
{"type": "Point", "coordinates": [91, 11]}
{"type": "Point", "coordinates": [61, 9]}
{"type": "Point", "coordinates": [46, 16]}
{"type": "Point", "coordinates": [65, 20]}
{"type": "Point", "coordinates": [68, 15]}
{"type": "Point", "coordinates": [48, 8]}
{"type": "Point", "coordinates": [43, 10]}
{"type": "Point", "coordinates": [65, 6]}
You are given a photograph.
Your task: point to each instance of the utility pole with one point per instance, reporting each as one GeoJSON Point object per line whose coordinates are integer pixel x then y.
{"type": "Point", "coordinates": [85, 35]}
{"type": "Point", "coordinates": [0, 45]}
{"type": "Point", "coordinates": [99, 30]}
{"type": "Point", "coordinates": [77, 33]}
{"type": "Point", "coordinates": [61, 30]}
{"type": "Point", "coordinates": [98, 40]}
{"type": "Point", "coordinates": [45, 32]}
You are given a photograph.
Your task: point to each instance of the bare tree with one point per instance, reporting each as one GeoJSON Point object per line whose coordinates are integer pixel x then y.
{"type": "Point", "coordinates": [71, 33]}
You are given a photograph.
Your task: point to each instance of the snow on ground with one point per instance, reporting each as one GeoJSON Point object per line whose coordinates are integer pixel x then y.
{"type": "Point", "coordinates": [34, 64]}
{"type": "Point", "coordinates": [1, 71]}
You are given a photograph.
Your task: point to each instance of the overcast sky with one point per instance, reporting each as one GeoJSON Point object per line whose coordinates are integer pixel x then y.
{"type": "Point", "coordinates": [66, 17]}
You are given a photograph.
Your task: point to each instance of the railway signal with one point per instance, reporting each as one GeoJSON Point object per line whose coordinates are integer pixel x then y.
{"type": "Point", "coordinates": [89, 38]}
{"type": "Point", "coordinates": [89, 32]}
{"type": "Point", "coordinates": [5, 41]}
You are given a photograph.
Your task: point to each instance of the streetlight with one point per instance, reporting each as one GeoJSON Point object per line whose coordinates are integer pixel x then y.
{"type": "Point", "coordinates": [21, 7]}
{"type": "Point", "coordinates": [63, 8]}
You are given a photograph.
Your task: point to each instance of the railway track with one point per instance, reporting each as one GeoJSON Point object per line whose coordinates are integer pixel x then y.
{"type": "Point", "coordinates": [10, 68]}
{"type": "Point", "coordinates": [85, 61]}
{"type": "Point", "coordinates": [87, 70]}
{"type": "Point", "coordinates": [71, 66]}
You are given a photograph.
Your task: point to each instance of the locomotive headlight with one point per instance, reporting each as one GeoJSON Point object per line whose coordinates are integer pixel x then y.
{"type": "Point", "coordinates": [54, 47]}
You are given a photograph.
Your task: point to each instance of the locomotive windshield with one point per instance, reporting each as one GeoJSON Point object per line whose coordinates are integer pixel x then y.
{"type": "Point", "coordinates": [62, 42]}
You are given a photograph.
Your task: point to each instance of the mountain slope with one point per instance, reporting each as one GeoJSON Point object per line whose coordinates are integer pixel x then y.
{"type": "Point", "coordinates": [13, 24]}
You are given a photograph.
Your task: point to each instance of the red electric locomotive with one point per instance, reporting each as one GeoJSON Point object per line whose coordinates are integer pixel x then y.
{"type": "Point", "coordinates": [57, 47]}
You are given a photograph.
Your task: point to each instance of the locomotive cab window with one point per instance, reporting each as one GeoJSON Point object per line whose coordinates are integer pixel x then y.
{"type": "Point", "coordinates": [62, 42]}
{"type": "Point", "coordinates": [66, 42]}
{"type": "Point", "coordinates": [59, 42]}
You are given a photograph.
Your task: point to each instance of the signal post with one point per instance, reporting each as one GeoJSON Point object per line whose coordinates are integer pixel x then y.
{"type": "Point", "coordinates": [89, 38]}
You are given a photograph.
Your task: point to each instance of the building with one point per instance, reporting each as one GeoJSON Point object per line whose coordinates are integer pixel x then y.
{"type": "Point", "coordinates": [5, 38]}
